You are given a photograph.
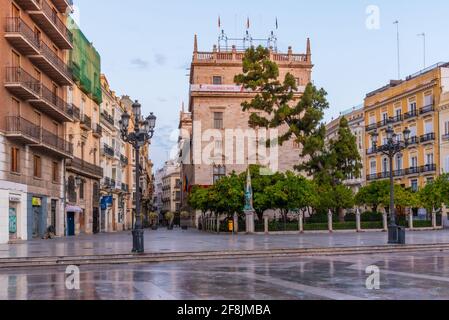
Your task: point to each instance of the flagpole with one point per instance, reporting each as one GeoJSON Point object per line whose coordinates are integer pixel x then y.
{"type": "Point", "coordinates": [399, 53]}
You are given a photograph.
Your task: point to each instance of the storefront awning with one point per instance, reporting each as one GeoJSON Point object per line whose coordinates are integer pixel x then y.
{"type": "Point", "coordinates": [74, 209]}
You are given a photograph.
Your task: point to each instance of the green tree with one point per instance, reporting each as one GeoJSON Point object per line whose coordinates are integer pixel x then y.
{"type": "Point", "coordinates": [199, 199]}
{"type": "Point", "coordinates": [228, 195]}
{"type": "Point", "coordinates": [373, 194]}
{"type": "Point", "coordinates": [279, 101]}
{"type": "Point", "coordinates": [435, 195]}
{"type": "Point", "coordinates": [290, 193]}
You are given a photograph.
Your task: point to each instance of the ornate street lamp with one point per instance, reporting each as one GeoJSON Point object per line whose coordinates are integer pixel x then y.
{"type": "Point", "coordinates": [392, 148]}
{"type": "Point", "coordinates": [143, 133]}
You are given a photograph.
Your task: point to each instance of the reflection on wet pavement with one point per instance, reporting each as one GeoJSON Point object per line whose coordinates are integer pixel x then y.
{"type": "Point", "coordinates": [419, 276]}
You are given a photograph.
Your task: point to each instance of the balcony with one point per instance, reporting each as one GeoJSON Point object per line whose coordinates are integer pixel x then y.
{"type": "Point", "coordinates": [413, 171]}
{"type": "Point", "coordinates": [84, 168]}
{"type": "Point", "coordinates": [125, 188]}
{"type": "Point", "coordinates": [63, 5]}
{"type": "Point", "coordinates": [51, 64]}
{"type": "Point", "coordinates": [21, 84]}
{"type": "Point", "coordinates": [47, 19]}
{"type": "Point", "coordinates": [106, 183]}
{"type": "Point", "coordinates": [371, 127]}
{"type": "Point", "coordinates": [51, 143]}
{"type": "Point", "coordinates": [108, 151]}
{"type": "Point", "coordinates": [124, 160]}
{"type": "Point", "coordinates": [28, 4]}
{"type": "Point", "coordinates": [22, 130]}
{"type": "Point", "coordinates": [430, 137]}
{"type": "Point", "coordinates": [21, 37]}
{"type": "Point", "coordinates": [53, 105]}
{"type": "Point", "coordinates": [86, 122]}
{"type": "Point", "coordinates": [76, 113]}
{"type": "Point", "coordinates": [429, 168]}
{"type": "Point", "coordinates": [411, 114]}
{"type": "Point", "coordinates": [97, 130]}
{"type": "Point", "coordinates": [427, 109]}
{"type": "Point", "coordinates": [398, 118]}
{"type": "Point", "coordinates": [107, 119]}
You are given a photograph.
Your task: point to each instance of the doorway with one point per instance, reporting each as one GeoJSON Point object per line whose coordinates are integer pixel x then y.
{"type": "Point", "coordinates": [96, 220]}
{"type": "Point", "coordinates": [70, 224]}
{"type": "Point", "coordinates": [36, 222]}
{"type": "Point", "coordinates": [12, 223]}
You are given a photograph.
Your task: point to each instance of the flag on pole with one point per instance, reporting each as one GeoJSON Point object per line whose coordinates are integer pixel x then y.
{"type": "Point", "coordinates": [277, 25]}
{"type": "Point", "coordinates": [248, 23]}
{"type": "Point", "coordinates": [219, 22]}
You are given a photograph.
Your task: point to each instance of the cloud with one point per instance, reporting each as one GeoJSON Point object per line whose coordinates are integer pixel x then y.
{"type": "Point", "coordinates": [140, 63]}
{"type": "Point", "coordinates": [160, 59]}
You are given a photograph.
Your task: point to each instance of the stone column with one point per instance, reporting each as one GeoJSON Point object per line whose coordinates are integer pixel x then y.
{"type": "Point", "coordinates": [434, 218]}
{"type": "Point", "coordinates": [249, 221]}
{"type": "Point", "coordinates": [265, 220]}
{"type": "Point", "coordinates": [329, 221]}
{"type": "Point", "coordinates": [301, 222]}
{"type": "Point", "coordinates": [358, 218]}
{"type": "Point", "coordinates": [410, 219]}
{"type": "Point", "coordinates": [218, 223]}
{"type": "Point", "coordinates": [385, 221]}
{"type": "Point", "coordinates": [236, 223]}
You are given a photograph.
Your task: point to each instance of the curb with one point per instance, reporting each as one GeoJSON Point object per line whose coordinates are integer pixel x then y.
{"type": "Point", "coordinates": [120, 259]}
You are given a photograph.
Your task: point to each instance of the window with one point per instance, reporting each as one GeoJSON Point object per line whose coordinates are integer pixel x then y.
{"type": "Point", "coordinates": [55, 171]}
{"type": "Point", "coordinates": [372, 119]}
{"type": "Point", "coordinates": [398, 112]}
{"type": "Point", "coordinates": [385, 165]}
{"type": "Point", "coordinates": [81, 189]}
{"type": "Point", "coordinates": [414, 185]}
{"type": "Point", "coordinates": [385, 116]}
{"type": "Point", "coordinates": [414, 162]}
{"type": "Point", "coordinates": [446, 165]}
{"type": "Point", "coordinates": [15, 160]}
{"type": "Point", "coordinates": [412, 106]}
{"type": "Point", "coordinates": [429, 159]}
{"type": "Point", "coordinates": [37, 166]}
{"type": "Point", "coordinates": [428, 127]}
{"type": "Point", "coordinates": [428, 99]}
{"type": "Point", "coordinates": [413, 132]}
{"type": "Point", "coordinates": [217, 80]}
{"type": "Point", "coordinates": [219, 172]}
{"type": "Point", "coordinates": [399, 162]}
{"type": "Point", "coordinates": [446, 128]}
{"type": "Point", "coordinates": [373, 167]}
{"type": "Point", "coordinates": [218, 120]}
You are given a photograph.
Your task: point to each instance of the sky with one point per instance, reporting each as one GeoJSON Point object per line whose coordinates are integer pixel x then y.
{"type": "Point", "coordinates": [146, 46]}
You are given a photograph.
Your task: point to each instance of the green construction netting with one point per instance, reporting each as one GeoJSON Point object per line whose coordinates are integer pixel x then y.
{"type": "Point", "coordinates": [85, 63]}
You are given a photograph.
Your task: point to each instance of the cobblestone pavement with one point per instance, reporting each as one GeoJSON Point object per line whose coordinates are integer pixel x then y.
{"type": "Point", "coordinates": [196, 241]}
{"type": "Point", "coordinates": [419, 276]}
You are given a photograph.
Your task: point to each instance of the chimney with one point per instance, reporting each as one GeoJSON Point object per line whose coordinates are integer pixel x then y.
{"type": "Point", "coordinates": [309, 51]}
{"type": "Point", "coordinates": [195, 44]}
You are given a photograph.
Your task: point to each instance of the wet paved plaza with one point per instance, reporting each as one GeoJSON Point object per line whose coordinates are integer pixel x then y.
{"type": "Point", "coordinates": [164, 241]}
{"type": "Point", "coordinates": [420, 276]}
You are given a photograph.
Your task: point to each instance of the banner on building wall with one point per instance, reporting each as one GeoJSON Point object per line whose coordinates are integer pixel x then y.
{"type": "Point", "coordinates": [105, 202]}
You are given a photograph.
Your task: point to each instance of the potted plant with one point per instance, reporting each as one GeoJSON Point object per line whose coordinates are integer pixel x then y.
{"type": "Point", "coordinates": [185, 217]}
{"type": "Point", "coordinates": [154, 219]}
{"type": "Point", "coordinates": [170, 216]}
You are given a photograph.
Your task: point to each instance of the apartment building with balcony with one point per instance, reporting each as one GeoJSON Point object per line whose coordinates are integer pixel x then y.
{"type": "Point", "coordinates": [115, 215]}
{"type": "Point", "coordinates": [83, 171]}
{"type": "Point", "coordinates": [34, 44]}
{"type": "Point", "coordinates": [412, 103]}
{"type": "Point", "coordinates": [356, 122]}
{"type": "Point", "coordinates": [171, 187]}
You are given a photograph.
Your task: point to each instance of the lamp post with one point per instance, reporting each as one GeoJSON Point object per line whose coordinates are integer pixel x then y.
{"type": "Point", "coordinates": [392, 148]}
{"type": "Point", "coordinates": [142, 134]}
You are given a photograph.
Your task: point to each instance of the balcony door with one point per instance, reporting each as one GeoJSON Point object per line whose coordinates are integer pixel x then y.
{"type": "Point", "coordinates": [37, 35]}
{"type": "Point", "coordinates": [55, 91]}
{"type": "Point", "coordinates": [15, 59]}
